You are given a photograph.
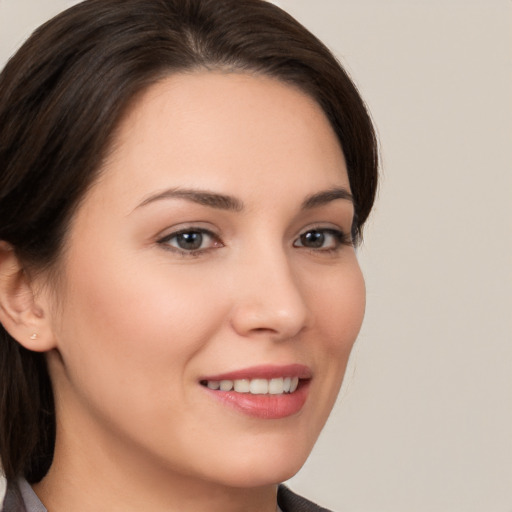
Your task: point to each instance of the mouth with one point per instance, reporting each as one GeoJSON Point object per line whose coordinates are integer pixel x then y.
{"type": "Point", "coordinates": [266, 392]}
{"type": "Point", "coordinates": [276, 386]}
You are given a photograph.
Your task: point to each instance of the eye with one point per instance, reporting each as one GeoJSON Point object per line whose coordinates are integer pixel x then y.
{"type": "Point", "coordinates": [191, 240]}
{"type": "Point", "coordinates": [323, 239]}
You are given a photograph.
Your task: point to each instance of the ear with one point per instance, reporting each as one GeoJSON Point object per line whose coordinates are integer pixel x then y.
{"type": "Point", "coordinates": [23, 314]}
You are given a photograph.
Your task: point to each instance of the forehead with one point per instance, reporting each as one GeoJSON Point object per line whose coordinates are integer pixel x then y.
{"type": "Point", "coordinates": [214, 127]}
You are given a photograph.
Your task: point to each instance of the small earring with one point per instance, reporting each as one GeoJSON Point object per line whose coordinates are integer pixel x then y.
{"type": "Point", "coordinates": [33, 336]}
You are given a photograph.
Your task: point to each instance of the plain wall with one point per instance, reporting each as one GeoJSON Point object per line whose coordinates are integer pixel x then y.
{"type": "Point", "coordinates": [424, 421]}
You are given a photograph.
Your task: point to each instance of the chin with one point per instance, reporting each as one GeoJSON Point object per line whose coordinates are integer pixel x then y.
{"type": "Point", "coordinates": [260, 477]}
{"type": "Point", "coordinates": [267, 466]}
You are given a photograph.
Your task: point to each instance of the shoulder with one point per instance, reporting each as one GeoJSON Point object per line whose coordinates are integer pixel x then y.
{"type": "Point", "coordinates": [288, 501]}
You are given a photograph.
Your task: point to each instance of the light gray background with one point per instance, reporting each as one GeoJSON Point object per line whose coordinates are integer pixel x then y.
{"type": "Point", "coordinates": [424, 422]}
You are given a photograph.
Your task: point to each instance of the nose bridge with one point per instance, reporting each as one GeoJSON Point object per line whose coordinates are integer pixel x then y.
{"type": "Point", "coordinates": [269, 297]}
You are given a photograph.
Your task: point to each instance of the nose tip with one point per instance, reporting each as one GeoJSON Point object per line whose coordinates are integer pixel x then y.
{"type": "Point", "coordinates": [275, 306]}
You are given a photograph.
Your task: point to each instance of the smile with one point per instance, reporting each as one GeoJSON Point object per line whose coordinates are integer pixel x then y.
{"type": "Point", "coordinates": [264, 392]}
{"type": "Point", "coordinates": [275, 386]}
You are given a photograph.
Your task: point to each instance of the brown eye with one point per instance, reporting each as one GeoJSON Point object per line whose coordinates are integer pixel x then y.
{"type": "Point", "coordinates": [314, 239]}
{"type": "Point", "coordinates": [191, 241]}
{"type": "Point", "coordinates": [322, 239]}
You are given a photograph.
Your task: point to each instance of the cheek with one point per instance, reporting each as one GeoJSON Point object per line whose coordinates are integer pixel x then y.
{"type": "Point", "coordinates": [134, 329]}
{"type": "Point", "coordinates": [339, 306]}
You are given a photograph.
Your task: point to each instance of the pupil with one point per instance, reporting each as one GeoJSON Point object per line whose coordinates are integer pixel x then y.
{"type": "Point", "coordinates": [313, 239]}
{"type": "Point", "coordinates": [190, 241]}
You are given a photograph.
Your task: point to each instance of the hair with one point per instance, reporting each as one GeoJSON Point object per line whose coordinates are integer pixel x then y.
{"type": "Point", "coordinates": [63, 94]}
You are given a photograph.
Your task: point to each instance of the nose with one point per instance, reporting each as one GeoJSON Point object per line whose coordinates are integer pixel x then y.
{"type": "Point", "coordinates": [268, 299]}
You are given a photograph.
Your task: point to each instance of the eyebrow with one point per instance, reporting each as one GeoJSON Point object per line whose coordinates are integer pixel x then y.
{"type": "Point", "coordinates": [325, 197]}
{"type": "Point", "coordinates": [226, 202]}
{"type": "Point", "coordinates": [211, 199]}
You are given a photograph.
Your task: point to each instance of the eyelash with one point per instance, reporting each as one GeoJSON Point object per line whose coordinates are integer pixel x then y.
{"type": "Point", "coordinates": [339, 239]}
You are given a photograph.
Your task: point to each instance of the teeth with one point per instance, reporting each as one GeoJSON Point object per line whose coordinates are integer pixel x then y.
{"type": "Point", "coordinates": [258, 387]}
{"type": "Point", "coordinates": [276, 386]}
{"type": "Point", "coordinates": [226, 385]}
{"type": "Point", "coordinates": [242, 386]}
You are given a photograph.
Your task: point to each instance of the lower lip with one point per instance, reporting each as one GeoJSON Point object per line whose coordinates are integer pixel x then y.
{"type": "Point", "coordinates": [268, 407]}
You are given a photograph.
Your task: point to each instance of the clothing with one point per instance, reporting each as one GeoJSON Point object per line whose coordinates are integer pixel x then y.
{"type": "Point", "coordinates": [288, 501]}
{"type": "Point", "coordinates": [20, 497]}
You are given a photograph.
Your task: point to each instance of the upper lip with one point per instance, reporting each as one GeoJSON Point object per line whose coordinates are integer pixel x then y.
{"type": "Point", "coordinates": [264, 372]}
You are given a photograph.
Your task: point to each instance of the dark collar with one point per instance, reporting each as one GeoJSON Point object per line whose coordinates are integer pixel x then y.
{"type": "Point", "coordinates": [288, 501]}
{"type": "Point", "coordinates": [21, 498]}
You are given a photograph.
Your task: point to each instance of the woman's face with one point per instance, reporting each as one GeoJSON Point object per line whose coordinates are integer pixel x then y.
{"type": "Point", "coordinates": [213, 251]}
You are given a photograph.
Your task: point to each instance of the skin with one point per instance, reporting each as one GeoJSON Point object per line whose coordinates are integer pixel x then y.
{"type": "Point", "coordinates": [135, 322]}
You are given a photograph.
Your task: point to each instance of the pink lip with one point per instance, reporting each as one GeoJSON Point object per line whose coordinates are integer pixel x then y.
{"type": "Point", "coordinates": [265, 372]}
{"type": "Point", "coordinates": [264, 406]}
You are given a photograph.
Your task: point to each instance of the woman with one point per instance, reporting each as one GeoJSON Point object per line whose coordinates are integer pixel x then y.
{"type": "Point", "coordinates": [183, 183]}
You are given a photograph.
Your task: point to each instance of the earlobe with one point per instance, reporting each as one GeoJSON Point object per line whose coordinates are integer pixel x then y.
{"type": "Point", "coordinates": [21, 315]}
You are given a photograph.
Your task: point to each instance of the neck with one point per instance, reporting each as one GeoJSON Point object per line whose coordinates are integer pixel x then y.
{"type": "Point", "coordinates": [100, 476]}
{"type": "Point", "coordinates": [84, 491]}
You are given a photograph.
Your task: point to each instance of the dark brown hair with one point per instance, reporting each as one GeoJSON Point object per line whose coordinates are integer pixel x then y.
{"type": "Point", "coordinates": [62, 96]}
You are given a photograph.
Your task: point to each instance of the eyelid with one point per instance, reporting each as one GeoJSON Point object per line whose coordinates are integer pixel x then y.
{"type": "Point", "coordinates": [184, 227]}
